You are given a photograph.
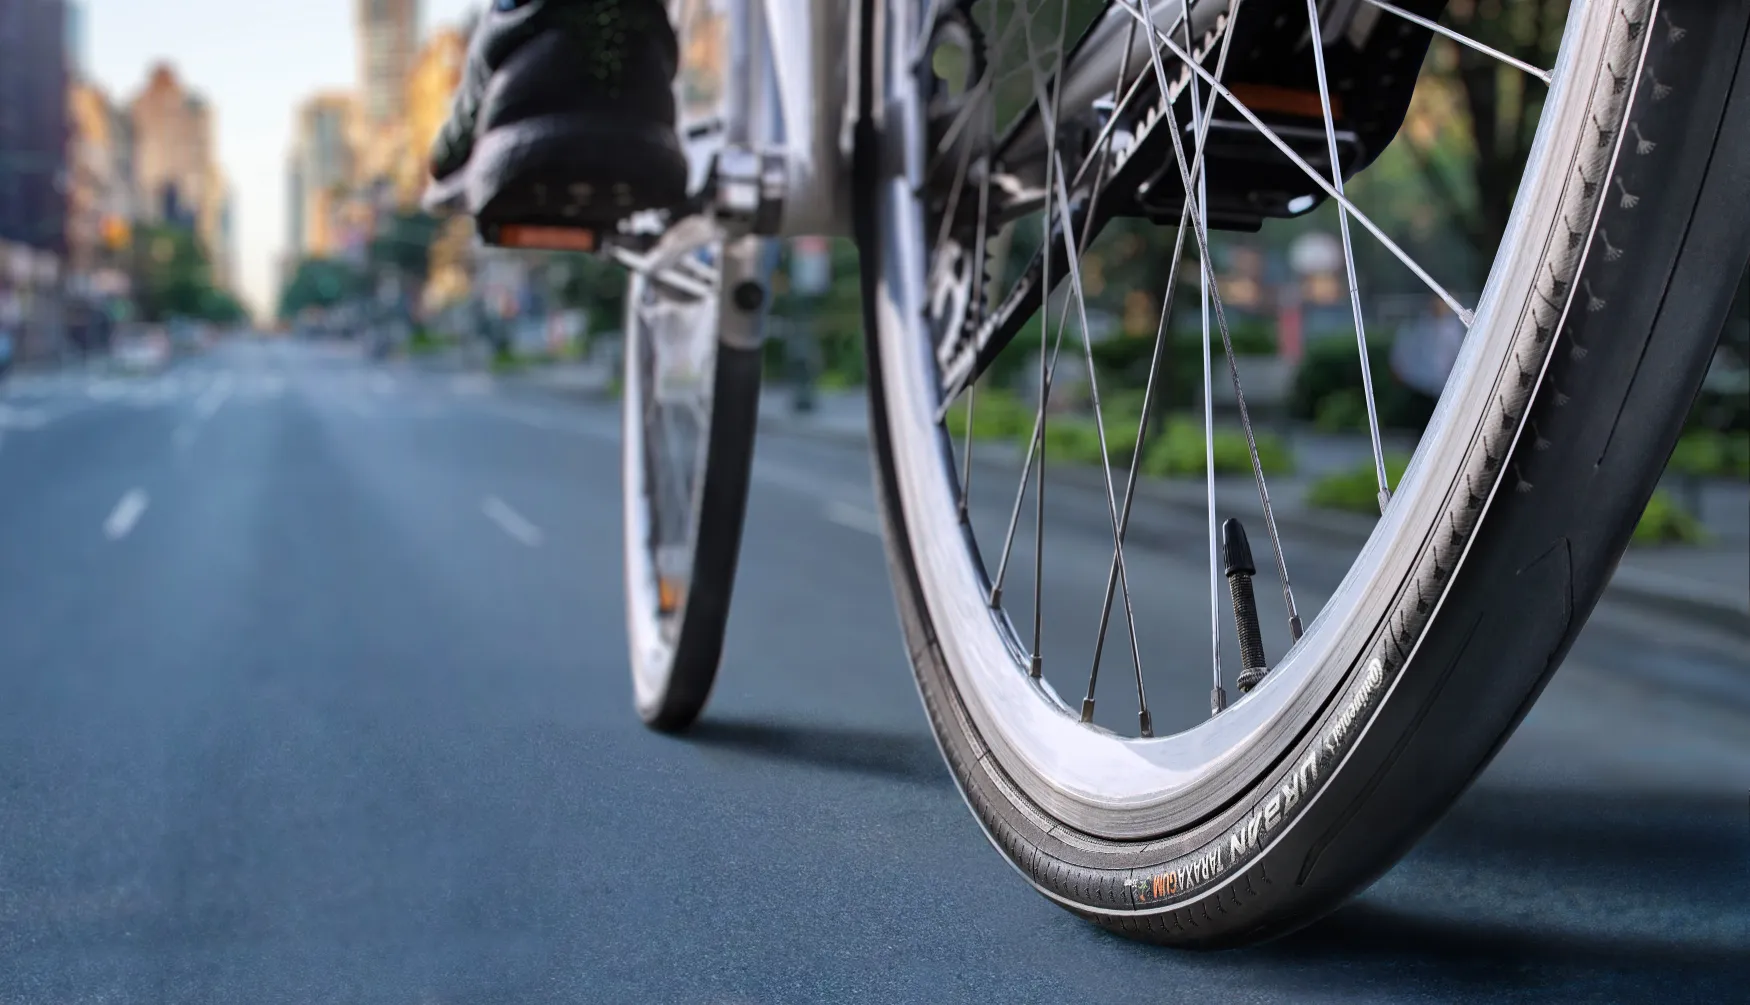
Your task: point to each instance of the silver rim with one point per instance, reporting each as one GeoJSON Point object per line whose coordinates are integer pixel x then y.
{"type": "Point", "coordinates": [670, 366]}
{"type": "Point", "coordinates": [1126, 788]}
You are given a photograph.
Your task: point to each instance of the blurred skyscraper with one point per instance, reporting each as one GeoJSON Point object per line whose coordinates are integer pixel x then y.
{"type": "Point", "coordinates": [323, 173]}
{"type": "Point", "coordinates": [388, 41]}
{"type": "Point", "coordinates": [176, 169]}
{"type": "Point", "coordinates": [34, 130]}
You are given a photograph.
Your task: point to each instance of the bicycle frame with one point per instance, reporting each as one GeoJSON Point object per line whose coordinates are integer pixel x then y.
{"type": "Point", "coordinates": [767, 92]}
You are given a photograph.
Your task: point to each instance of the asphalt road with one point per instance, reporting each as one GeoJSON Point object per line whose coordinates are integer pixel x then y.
{"type": "Point", "coordinates": [312, 689]}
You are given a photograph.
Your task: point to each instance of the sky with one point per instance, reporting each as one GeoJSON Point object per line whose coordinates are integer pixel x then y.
{"type": "Point", "coordinates": [255, 61]}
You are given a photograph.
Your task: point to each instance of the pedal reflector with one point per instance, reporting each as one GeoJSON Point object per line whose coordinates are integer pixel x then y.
{"type": "Point", "coordinates": [668, 594]}
{"type": "Point", "coordinates": [539, 238]}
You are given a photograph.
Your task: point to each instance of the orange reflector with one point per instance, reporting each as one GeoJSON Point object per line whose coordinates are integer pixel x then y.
{"type": "Point", "coordinates": [517, 235]}
{"type": "Point", "coordinates": [1287, 100]}
{"type": "Point", "coordinates": [668, 595]}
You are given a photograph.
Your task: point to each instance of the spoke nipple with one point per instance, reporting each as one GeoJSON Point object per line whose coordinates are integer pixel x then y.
{"type": "Point", "coordinates": [1384, 499]}
{"type": "Point", "coordinates": [1087, 710]}
{"type": "Point", "coordinates": [1294, 628]}
{"type": "Point", "coordinates": [1147, 722]}
{"type": "Point", "coordinates": [996, 597]}
{"type": "Point", "coordinates": [1037, 666]}
{"type": "Point", "coordinates": [1217, 701]}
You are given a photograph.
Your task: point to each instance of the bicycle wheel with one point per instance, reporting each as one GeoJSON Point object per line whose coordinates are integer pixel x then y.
{"type": "Point", "coordinates": [1592, 334]}
{"type": "Point", "coordinates": [691, 400]}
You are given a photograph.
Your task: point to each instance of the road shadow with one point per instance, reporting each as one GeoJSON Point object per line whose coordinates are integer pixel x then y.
{"type": "Point", "coordinates": [903, 757]}
{"type": "Point", "coordinates": [1579, 896]}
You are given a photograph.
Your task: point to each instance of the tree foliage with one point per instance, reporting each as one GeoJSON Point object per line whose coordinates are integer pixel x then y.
{"type": "Point", "coordinates": [1490, 108]}
{"type": "Point", "coordinates": [173, 278]}
{"type": "Point", "coordinates": [322, 282]}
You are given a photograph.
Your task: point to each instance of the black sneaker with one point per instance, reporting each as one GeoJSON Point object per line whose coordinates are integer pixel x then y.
{"type": "Point", "coordinates": [564, 123]}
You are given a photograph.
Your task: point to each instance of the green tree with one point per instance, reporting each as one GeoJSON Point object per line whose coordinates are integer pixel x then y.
{"type": "Point", "coordinates": [173, 276]}
{"type": "Point", "coordinates": [1494, 109]}
{"type": "Point", "coordinates": [404, 244]}
{"type": "Point", "coordinates": [321, 282]}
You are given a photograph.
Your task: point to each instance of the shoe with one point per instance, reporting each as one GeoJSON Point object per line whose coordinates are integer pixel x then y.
{"type": "Point", "coordinates": [564, 122]}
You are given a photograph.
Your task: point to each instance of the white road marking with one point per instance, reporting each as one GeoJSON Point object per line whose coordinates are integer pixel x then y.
{"type": "Point", "coordinates": [125, 515]}
{"type": "Point", "coordinates": [854, 517]}
{"type": "Point", "coordinates": [511, 522]}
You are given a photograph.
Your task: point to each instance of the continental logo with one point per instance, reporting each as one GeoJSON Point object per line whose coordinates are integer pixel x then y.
{"type": "Point", "coordinates": [1188, 874]}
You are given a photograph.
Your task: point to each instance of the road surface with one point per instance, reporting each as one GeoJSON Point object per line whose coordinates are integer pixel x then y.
{"type": "Point", "coordinates": [313, 690]}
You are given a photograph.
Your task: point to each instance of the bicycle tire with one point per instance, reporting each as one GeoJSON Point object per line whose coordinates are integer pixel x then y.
{"type": "Point", "coordinates": [674, 655]}
{"type": "Point", "coordinates": [1571, 417]}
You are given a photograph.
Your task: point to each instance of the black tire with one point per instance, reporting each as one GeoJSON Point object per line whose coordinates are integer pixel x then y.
{"type": "Point", "coordinates": [674, 655]}
{"type": "Point", "coordinates": [1537, 505]}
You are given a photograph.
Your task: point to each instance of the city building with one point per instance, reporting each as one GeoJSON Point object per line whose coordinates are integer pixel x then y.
{"type": "Point", "coordinates": [431, 86]}
{"type": "Point", "coordinates": [388, 36]}
{"type": "Point", "coordinates": [101, 203]}
{"type": "Point", "coordinates": [322, 172]}
{"type": "Point", "coordinates": [34, 129]}
{"type": "Point", "coordinates": [34, 141]}
{"type": "Point", "coordinates": [176, 173]}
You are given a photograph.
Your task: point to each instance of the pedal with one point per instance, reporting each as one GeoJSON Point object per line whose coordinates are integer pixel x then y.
{"type": "Point", "coordinates": [540, 237]}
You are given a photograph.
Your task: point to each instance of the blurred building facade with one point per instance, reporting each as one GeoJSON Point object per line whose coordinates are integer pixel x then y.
{"type": "Point", "coordinates": [34, 128]}
{"type": "Point", "coordinates": [177, 176]}
{"type": "Point", "coordinates": [388, 43]}
{"type": "Point", "coordinates": [34, 141]}
{"type": "Point", "coordinates": [431, 84]}
{"type": "Point", "coordinates": [322, 173]}
{"type": "Point", "coordinates": [101, 200]}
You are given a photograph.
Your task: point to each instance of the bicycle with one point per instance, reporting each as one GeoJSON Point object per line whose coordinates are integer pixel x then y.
{"type": "Point", "coordinates": [924, 143]}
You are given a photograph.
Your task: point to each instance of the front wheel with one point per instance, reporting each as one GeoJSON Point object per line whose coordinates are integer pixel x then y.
{"type": "Point", "coordinates": [1587, 344]}
{"type": "Point", "coordinates": [691, 401]}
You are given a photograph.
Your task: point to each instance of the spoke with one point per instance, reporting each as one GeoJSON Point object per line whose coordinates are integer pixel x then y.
{"type": "Point", "coordinates": [1318, 50]}
{"type": "Point", "coordinates": [1217, 698]}
{"type": "Point", "coordinates": [1464, 313]}
{"type": "Point", "coordinates": [1051, 162]}
{"type": "Point", "coordinates": [1149, 388]}
{"type": "Point", "coordinates": [1543, 75]}
{"type": "Point", "coordinates": [977, 280]}
{"type": "Point", "coordinates": [1080, 299]}
{"type": "Point", "coordinates": [1205, 285]}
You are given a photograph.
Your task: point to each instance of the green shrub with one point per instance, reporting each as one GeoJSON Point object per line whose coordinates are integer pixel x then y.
{"type": "Point", "coordinates": [1357, 489]}
{"type": "Point", "coordinates": [1665, 521]}
{"type": "Point", "coordinates": [1179, 451]}
{"type": "Point", "coordinates": [1710, 454]}
{"type": "Point", "coordinates": [1331, 367]}
{"type": "Point", "coordinates": [996, 415]}
{"type": "Point", "coordinates": [1076, 438]}
{"type": "Point", "coordinates": [1343, 411]}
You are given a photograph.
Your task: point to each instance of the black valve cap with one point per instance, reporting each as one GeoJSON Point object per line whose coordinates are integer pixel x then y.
{"type": "Point", "coordinates": [1236, 551]}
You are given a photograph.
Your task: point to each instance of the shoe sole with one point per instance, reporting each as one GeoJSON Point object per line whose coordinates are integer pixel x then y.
{"type": "Point", "coordinates": [573, 171]}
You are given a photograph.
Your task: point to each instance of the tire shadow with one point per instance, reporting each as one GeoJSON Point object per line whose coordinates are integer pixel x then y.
{"type": "Point", "coordinates": [903, 757]}
{"type": "Point", "coordinates": [1585, 896]}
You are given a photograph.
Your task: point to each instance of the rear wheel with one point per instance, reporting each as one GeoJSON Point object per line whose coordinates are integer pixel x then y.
{"type": "Point", "coordinates": [691, 400]}
{"type": "Point", "coordinates": [1591, 336]}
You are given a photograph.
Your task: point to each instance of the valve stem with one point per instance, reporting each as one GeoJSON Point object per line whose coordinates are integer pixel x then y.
{"type": "Point", "coordinates": [1236, 554]}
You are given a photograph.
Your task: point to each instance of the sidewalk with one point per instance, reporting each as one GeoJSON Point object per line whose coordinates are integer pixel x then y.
{"type": "Point", "coordinates": [1710, 584]}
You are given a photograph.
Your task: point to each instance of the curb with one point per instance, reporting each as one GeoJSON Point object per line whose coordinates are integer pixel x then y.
{"type": "Point", "coordinates": [1672, 596]}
